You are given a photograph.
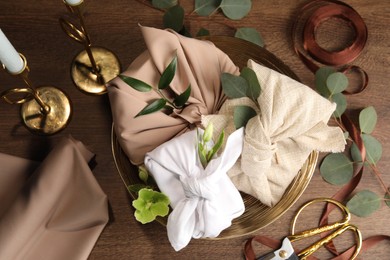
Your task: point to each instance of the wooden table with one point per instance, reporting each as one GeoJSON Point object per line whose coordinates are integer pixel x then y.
{"type": "Point", "coordinates": [33, 28]}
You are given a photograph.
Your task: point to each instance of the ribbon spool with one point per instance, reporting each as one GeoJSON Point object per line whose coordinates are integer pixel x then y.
{"type": "Point", "coordinates": [312, 15]}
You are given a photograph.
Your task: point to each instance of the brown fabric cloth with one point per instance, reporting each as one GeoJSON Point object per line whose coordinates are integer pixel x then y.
{"type": "Point", "coordinates": [200, 64]}
{"type": "Point", "coordinates": [53, 210]}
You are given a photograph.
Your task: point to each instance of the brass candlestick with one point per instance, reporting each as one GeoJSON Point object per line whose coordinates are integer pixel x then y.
{"type": "Point", "coordinates": [45, 110]}
{"type": "Point", "coordinates": [94, 66]}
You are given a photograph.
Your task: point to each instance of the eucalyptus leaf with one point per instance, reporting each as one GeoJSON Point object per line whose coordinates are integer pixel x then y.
{"type": "Point", "coordinates": [250, 34]}
{"type": "Point", "coordinates": [202, 32]}
{"type": "Point", "coordinates": [355, 153]}
{"type": "Point", "coordinates": [234, 86]}
{"type": "Point", "coordinates": [155, 106]}
{"type": "Point", "coordinates": [367, 120]}
{"type": "Point", "coordinates": [321, 76]}
{"type": "Point", "coordinates": [364, 203]}
{"type": "Point", "coordinates": [242, 114]}
{"type": "Point", "coordinates": [174, 18]}
{"type": "Point", "coordinates": [373, 148]}
{"type": "Point", "coordinates": [341, 102]}
{"type": "Point", "coordinates": [387, 199]}
{"type": "Point", "coordinates": [136, 83]}
{"type": "Point", "coordinates": [336, 169]}
{"type": "Point", "coordinates": [168, 74]}
{"type": "Point", "coordinates": [181, 99]}
{"type": "Point", "coordinates": [234, 9]}
{"type": "Point", "coordinates": [254, 89]}
{"type": "Point", "coordinates": [206, 7]}
{"type": "Point", "coordinates": [337, 82]}
{"type": "Point", "coordinates": [164, 4]}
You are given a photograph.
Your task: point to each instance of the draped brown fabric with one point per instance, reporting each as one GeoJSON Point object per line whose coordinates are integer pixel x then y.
{"type": "Point", "coordinates": [200, 64]}
{"type": "Point", "coordinates": [52, 210]}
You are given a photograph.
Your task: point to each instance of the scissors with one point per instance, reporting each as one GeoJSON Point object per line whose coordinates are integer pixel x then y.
{"type": "Point", "coordinates": [286, 252]}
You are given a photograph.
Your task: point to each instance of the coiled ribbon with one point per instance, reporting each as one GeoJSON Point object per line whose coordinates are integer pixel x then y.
{"type": "Point", "coordinates": [311, 15]}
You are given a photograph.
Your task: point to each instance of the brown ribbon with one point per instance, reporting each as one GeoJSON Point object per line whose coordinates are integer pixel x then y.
{"type": "Point", "coordinates": [322, 10]}
{"type": "Point", "coordinates": [311, 15]}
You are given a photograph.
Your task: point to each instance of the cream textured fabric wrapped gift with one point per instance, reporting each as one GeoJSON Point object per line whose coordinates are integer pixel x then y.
{"type": "Point", "coordinates": [291, 123]}
{"type": "Point", "coordinates": [204, 201]}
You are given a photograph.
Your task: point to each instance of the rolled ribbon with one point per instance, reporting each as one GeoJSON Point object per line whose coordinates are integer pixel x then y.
{"type": "Point", "coordinates": [311, 15]}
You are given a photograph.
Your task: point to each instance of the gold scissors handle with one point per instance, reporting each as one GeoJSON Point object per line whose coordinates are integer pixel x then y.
{"type": "Point", "coordinates": [339, 227]}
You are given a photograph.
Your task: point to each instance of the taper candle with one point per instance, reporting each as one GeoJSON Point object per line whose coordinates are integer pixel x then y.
{"type": "Point", "coordinates": [73, 2]}
{"type": "Point", "coordinates": [9, 56]}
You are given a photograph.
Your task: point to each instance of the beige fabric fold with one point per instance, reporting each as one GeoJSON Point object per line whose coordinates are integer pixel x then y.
{"type": "Point", "coordinates": [291, 122]}
{"type": "Point", "coordinates": [53, 210]}
{"type": "Point", "coordinates": [200, 64]}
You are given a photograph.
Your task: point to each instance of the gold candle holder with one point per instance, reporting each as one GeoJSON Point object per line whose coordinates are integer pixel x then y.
{"type": "Point", "coordinates": [94, 66]}
{"type": "Point", "coordinates": [45, 110]}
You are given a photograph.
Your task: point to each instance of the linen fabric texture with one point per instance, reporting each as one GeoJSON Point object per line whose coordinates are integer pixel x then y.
{"type": "Point", "coordinates": [200, 65]}
{"type": "Point", "coordinates": [50, 210]}
{"type": "Point", "coordinates": [204, 200]}
{"type": "Point", "coordinates": [291, 122]}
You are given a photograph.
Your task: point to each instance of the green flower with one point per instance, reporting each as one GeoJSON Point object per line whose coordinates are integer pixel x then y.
{"type": "Point", "coordinates": [149, 205]}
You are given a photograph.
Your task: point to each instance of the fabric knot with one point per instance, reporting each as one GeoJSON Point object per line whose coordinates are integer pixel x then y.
{"type": "Point", "coordinates": [197, 188]}
{"type": "Point", "coordinates": [258, 149]}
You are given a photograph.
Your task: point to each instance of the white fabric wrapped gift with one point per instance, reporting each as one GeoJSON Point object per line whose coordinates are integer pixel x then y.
{"type": "Point", "coordinates": [204, 201]}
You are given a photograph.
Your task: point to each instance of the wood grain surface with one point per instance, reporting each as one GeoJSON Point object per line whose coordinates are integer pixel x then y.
{"type": "Point", "coordinates": [33, 28]}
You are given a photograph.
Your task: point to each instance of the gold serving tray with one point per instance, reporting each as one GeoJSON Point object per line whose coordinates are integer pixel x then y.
{"type": "Point", "coordinates": [256, 215]}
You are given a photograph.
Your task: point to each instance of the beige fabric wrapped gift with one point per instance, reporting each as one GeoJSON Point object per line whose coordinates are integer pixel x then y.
{"type": "Point", "coordinates": [291, 123]}
{"type": "Point", "coordinates": [53, 210]}
{"type": "Point", "coordinates": [200, 64]}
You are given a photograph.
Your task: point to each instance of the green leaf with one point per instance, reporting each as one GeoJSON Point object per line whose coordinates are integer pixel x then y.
{"type": "Point", "coordinates": [202, 155]}
{"type": "Point", "coordinates": [234, 86]}
{"type": "Point", "coordinates": [160, 209]}
{"type": "Point", "coordinates": [185, 32]}
{"type": "Point", "coordinates": [136, 83]}
{"type": "Point", "coordinates": [387, 199]}
{"type": "Point", "coordinates": [216, 146]}
{"type": "Point", "coordinates": [202, 32]}
{"type": "Point", "coordinates": [208, 133]}
{"type": "Point", "coordinates": [355, 153]}
{"type": "Point", "coordinates": [337, 82]}
{"type": "Point", "coordinates": [206, 7]}
{"type": "Point", "coordinates": [168, 74]}
{"type": "Point", "coordinates": [174, 18]}
{"type": "Point", "coordinates": [144, 216]}
{"type": "Point", "coordinates": [181, 99]}
{"type": "Point", "coordinates": [364, 203]}
{"type": "Point", "coordinates": [242, 114]}
{"type": "Point", "coordinates": [136, 187]}
{"type": "Point", "coordinates": [143, 174]}
{"type": "Point", "coordinates": [164, 4]}
{"type": "Point", "coordinates": [155, 106]}
{"type": "Point", "coordinates": [234, 9]}
{"type": "Point", "coordinates": [254, 89]}
{"type": "Point", "coordinates": [341, 102]}
{"type": "Point", "coordinates": [321, 76]}
{"type": "Point", "coordinates": [250, 35]}
{"type": "Point", "coordinates": [336, 169]}
{"type": "Point", "coordinates": [373, 148]}
{"type": "Point", "coordinates": [367, 120]}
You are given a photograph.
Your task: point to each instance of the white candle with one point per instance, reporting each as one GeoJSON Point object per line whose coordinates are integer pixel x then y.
{"type": "Point", "coordinates": [9, 56]}
{"type": "Point", "coordinates": [73, 2]}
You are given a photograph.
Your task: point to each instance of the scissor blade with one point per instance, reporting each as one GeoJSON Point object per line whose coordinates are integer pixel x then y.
{"type": "Point", "coordinates": [286, 252]}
